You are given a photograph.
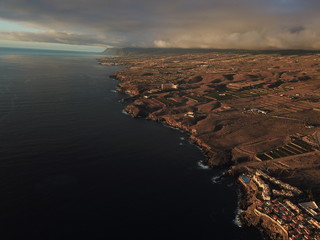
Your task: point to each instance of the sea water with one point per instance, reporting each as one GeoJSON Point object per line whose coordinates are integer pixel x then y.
{"type": "Point", "coordinates": [73, 166]}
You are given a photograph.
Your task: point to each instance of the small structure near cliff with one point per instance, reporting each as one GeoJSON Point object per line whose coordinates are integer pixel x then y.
{"type": "Point", "coordinates": [167, 86]}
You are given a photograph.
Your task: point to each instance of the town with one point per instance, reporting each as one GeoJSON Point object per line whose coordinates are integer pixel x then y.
{"type": "Point", "coordinates": [283, 204]}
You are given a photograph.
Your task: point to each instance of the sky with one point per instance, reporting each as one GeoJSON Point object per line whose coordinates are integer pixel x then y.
{"type": "Point", "coordinates": [96, 24]}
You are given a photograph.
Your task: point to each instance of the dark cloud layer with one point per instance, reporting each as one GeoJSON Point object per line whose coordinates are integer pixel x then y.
{"type": "Point", "coordinates": [180, 23]}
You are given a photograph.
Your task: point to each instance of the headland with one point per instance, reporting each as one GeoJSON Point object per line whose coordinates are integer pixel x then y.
{"type": "Point", "coordinates": [258, 114]}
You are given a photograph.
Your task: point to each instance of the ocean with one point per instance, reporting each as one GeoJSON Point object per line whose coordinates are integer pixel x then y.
{"type": "Point", "coordinates": [74, 166]}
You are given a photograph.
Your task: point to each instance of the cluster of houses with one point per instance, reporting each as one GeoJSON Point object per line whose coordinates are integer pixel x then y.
{"type": "Point", "coordinates": [297, 224]}
{"type": "Point", "coordinates": [299, 221]}
{"type": "Point", "coordinates": [282, 193]}
{"type": "Point", "coordinates": [265, 193]}
{"type": "Point", "coordinates": [285, 186]}
{"type": "Point", "coordinates": [256, 110]}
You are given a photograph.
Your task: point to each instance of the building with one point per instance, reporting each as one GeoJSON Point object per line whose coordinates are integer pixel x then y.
{"type": "Point", "coordinates": [166, 86]}
{"type": "Point", "coordinates": [311, 207]}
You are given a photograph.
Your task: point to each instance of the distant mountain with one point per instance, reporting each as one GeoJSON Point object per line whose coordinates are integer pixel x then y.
{"type": "Point", "coordinates": [139, 51]}
{"type": "Point", "coordinates": [127, 51]}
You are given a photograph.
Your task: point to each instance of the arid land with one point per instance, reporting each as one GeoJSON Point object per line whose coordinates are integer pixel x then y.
{"type": "Point", "coordinates": [235, 106]}
{"type": "Point", "coordinates": [256, 114]}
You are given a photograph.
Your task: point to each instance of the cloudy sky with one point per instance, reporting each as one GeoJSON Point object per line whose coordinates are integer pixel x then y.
{"type": "Point", "coordinates": [96, 24]}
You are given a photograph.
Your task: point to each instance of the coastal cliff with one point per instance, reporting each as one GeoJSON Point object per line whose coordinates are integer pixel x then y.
{"type": "Point", "coordinates": [215, 157]}
{"type": "Point", "coordinates": [245, 116]}
{"type": "Point", "coordinates": [239, 117]}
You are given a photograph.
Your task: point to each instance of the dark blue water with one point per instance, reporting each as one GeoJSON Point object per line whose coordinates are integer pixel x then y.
{"type": "Point", "coordinates": [73, 166]}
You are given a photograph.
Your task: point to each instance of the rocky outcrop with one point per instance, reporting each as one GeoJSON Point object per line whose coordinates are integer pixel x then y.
{"type": "Point", "coordinates": [136, 110]}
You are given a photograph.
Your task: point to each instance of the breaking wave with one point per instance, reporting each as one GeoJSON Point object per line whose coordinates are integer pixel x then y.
{"type": "Point", "coordinates": [236, 219]}
{"type": "Point", "coordinates": [124, 112]}
{"type": "Point", "coordinates": [238, 212]}
{"type": "Point", "coordinates": [218, 178]}
{"type": "Point", "coordinates": [202, 165]}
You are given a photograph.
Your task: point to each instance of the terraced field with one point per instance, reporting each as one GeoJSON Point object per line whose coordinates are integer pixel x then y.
{"type": "Point", "coordinates": [233, 94]}
{"type": "Point", "coordinates": [200, 99]}
{"type": "Point", "coordinates": [296, 147]}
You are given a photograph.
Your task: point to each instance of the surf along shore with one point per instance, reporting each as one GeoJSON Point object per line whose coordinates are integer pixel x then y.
{"type": "Point", "coordinates": [255, 114]}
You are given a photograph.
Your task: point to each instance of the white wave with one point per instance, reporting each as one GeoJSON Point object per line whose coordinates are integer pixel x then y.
{"type": "Point", "coordinates": [182, 138]}
{"type": "Point", "coordinates": [174, 128]}
{"type": "Point", "coordinates": [202, 165]}
{"type": "Point", "coordinates": [124, 112]}
{"type": "Point", "coordinates": [168, 126]}
{"type": "Point", "coordinates": [181, 144]}
{"type": "Point", "coordinates": [237, 220]}
{"type": "Point", "coordinates": [200, 148]}
{"type": "Point", "coordinates": [218, 178]}
{"type": "Point", "coordinates": [114, 91]}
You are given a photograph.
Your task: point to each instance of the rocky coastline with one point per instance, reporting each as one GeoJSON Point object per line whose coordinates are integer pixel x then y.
{"type": "Point", "coordinates": [214, 157]}
{"type": "Point", "coordinates": [187, 110]}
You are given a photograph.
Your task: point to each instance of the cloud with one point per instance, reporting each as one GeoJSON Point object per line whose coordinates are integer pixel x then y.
{"type": "Point", "coordinates": [161, 44]}
{"type": "Point", "coordinates": [54, 37]}
{"type": "Point", "coordinates": [180, 23]}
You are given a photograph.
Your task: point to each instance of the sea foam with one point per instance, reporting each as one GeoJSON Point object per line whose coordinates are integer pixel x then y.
{"type": "Point", "coordinates": [238, 212]}
{"type": "Point", "coordinates": [201, 165]}
{"type": "Point", "coordinates": [218, 178]}
{"type": "Point", "coordinates": [125, 112]}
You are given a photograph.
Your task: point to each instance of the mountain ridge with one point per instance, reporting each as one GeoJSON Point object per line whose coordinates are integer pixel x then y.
{"type": "Point", "coordinates": [129, 51]}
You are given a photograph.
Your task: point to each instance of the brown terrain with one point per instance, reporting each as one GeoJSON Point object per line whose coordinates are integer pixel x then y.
{"type": "Point", "coordinates": [248, 112]}
{"type": "Point", "coordinates": [245, 110]}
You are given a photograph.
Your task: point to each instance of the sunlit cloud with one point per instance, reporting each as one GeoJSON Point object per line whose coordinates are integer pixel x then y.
{"type": "Point", "coordinates": [246, 24]}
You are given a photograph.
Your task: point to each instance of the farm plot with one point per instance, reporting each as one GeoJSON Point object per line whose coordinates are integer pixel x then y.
{"type": "Point", "coordinates": [233, 94]}
{"type": "Point", "coordinates": [200, 99]}
{"type": "Point", "coordinates": [296, 147]}
{"type": "Point", "coordinates": [166, 101]}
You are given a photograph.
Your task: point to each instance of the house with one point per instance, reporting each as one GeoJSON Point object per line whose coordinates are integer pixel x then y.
{"type": "Point", "coordinates": [166, 86]}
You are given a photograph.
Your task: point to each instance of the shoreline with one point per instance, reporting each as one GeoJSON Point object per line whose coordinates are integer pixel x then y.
{"type": "Point", "coordinates": [216, 179]}
{"type": "Point", "coordinates": [206, 150]}
{"type": "Point", "coordinates": [150, 106]}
